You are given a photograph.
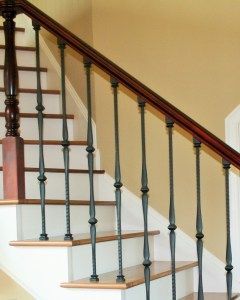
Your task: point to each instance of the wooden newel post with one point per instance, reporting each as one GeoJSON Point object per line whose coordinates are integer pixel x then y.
{"type": "Point", "coordinates": [12, 145]}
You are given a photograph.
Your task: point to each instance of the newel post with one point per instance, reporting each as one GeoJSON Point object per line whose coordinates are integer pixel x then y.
{"type": "Point", "coordinates": [12, 144]}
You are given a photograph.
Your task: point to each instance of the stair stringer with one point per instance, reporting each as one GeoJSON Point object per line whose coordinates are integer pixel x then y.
{"type": "Point", "coordinates": [213, 268]}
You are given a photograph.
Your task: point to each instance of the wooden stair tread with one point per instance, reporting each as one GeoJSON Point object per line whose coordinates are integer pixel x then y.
{"type": "Point", "coordinates": [35, 115]}
{"type": "Point", "coordinates": [21, 48]}
{"type": "Point", "coordinates": [53, 142]}
{"type": "Point", "coordinates": [34, 91]}
{"type": "Point", "coordinates": [133, 275]}
{"type": "Point", "coordinates": [22, 68]}
{"type": "Point", "coordinates": [59, 170]}
{"type": "Point", "coordinates": [81, 239]}
{"type": "Point", "coordinates": [19, 29]}
{"type": "Point", "coordinates": [211, 296]}
{"type": "Point", "coordinates": [56, 202]}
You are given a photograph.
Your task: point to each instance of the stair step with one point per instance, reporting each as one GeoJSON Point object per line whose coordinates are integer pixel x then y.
{"type": "Point", "coordinates": [134, 276]}
{"type": "Point", "coordinates": [59, 170]}
{"type": "Point", "coordinates": [19, 29]}
{"type": "Point", "coordinates": [28, 102]}
{"type": "Point", "coordinates": [22, 68]}
{"type": "Point", "coordinates": [46, 116]}
{"type": "Point", "coordinates": [53, 142]}
{"type": "Point", "coordinates": [34, 91]}
{"type": "Point", "coordinates": [82, 239]}
{"type": "Point", "coordinates": [55, 202]}
{"type": "Point", "coordinates": [211, 296]}
{"type": "Point", "coordinates": [21, 48]}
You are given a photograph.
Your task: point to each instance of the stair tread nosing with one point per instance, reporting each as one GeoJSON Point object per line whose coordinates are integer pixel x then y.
{"type": "Point", "coordinates": [134, 276]}
{"type": "Point", "coordinates": [19, 29]}
{"type": "Point", "coordinates": [23, 68]}
{"type": "Point", "coordinates": [53, 142]}
{"type": "Point", "coordinates": [46, 116]}
{"type": "Point", "coordinates": [34, 91]}
{"type": "Point", "coordinates": [210, 296]}
{"type": "Point", "coordinates": [56, 202]}
{"type": "Point", "coordinates": [21, 48]}
{"type": "Point", "coordinates": [82, 239]}
{"type": "Point", "coordinates": [59, 170]}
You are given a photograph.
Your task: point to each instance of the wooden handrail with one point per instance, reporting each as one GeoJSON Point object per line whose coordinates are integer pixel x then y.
{"type": "Point", "coordinates": [152, 98]}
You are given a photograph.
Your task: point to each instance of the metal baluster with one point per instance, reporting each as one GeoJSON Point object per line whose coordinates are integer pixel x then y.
{"type": "Point", "coordinates": [172, 220]}
{"type": "Point", "coordinates": [229, 267]}
{"type": "Point", "coordinates": [90, 149]}
{"type": "Point", "coordinates": [118, 183]}
{"type": "Point", "coordinates": [40, 108]}
{"type": "Point", "coordinates": [146, 253]}
{"type": "Point", "coordinates": [65, 142]}
{"type": "Point", "coordinates": [199, 222]}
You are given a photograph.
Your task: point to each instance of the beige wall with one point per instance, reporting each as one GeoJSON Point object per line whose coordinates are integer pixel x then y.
{"type": "Point", "coordinates": [9, 289]}
{"type": "Point", "coordinates": [188, 52]}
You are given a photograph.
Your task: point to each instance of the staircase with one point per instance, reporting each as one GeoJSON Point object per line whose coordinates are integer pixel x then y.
{"type": "Point", "coordinates": [49, 264]}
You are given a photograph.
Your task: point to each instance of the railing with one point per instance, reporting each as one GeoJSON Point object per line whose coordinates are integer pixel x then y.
{"type": "Point", "coordinates": [145, 96]}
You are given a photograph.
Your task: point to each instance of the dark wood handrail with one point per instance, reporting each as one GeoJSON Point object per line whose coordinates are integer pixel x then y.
{"type": "Point", "coordinates": [152, 98]}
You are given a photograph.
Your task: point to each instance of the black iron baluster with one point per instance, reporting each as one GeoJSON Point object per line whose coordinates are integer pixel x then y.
{"type": "Point", "coordinates": [146, 253]}
{"type": "Point", "coordinates": [118, 183]}
{"type": "Point", "coordinates": [229, 267]}
{"type": "Point", "coordinates": [199, 222]}
{"type": "Point", "coordinates": [65, 142]}
{"type": "Point", "coordinates": [40, 108]}
{"type": "Point", "coordinates": [172, 220]}
{"type": "Point", "coordinates": [90, 149]}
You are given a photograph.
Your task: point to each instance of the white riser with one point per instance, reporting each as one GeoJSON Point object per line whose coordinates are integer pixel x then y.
{"type": "Point", "coordinates": [107, 257]}
{"type": "Point", "coordinates": [30, 219]}
{"type": "Point", "coordinates": [55, 187]}
{"type": "Point", "coordinates": [29, 128]}
{"type": "Point", "coordinates": [89, 294]}
{"type": "Point", "coordinates": [163, 287]}
{"type": "Point", "coordinates": [20, 39]}
{"type": "Point", "coordinates": [79, 187]}
{"type": "Point", "coordinates": [49, 266]}
{"type": "Point", "coordinates": [53, 156]}
{"type": "Point", "coordinates": [28, 102]}
{"type": "Point", "coordinates": [24, 58]}
{"type": "Point", "coordinates": [27, 79]}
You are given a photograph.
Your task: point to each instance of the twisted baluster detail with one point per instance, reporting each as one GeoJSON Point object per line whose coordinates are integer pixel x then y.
{"type": "Point", "coordinates": [90, 149]}
{"type": "Point", "coordinates": [172, 220]}
{"type": "Point", "coordinates": [146, 253]}
{"type": "Point", "coordinates": [65, 142]}
{"type": "Point", "coordinates": [229, 267]}
{"type": "Point", "coordinates": [199, 222]}
{"type": "Point", "coordinates": [40, 108]}
{"type": "Point", "coordinates": [118, 183]}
